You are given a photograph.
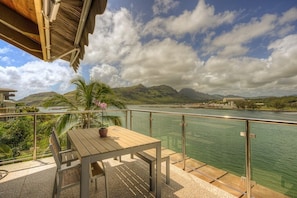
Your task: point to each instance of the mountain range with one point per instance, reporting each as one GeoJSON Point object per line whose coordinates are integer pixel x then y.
{"type": "Point", "coordinates": [139, 94]}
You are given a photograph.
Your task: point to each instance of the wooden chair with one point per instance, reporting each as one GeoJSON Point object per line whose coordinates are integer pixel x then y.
{"type": "Point", "coordinates": [69, 175]}
{"type": "Point", "coordinates": [66, 176]}
{"type": "Point", "coordinates": [98, 170]}
{"type": "Point", "coordinates": [65, 156]}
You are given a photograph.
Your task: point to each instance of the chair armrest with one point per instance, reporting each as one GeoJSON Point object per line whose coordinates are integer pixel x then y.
{"type": "Point", "coordinates": [66, 151]}
{"type": "Point", "coordinates": [63, 168]}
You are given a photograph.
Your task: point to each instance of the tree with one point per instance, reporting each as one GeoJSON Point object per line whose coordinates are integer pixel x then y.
{"type": "Point", "coordinates": [85, 95]}
{"type": "Point", "coordinates": [279, 104]}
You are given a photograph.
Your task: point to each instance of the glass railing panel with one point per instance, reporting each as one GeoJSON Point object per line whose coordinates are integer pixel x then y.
{"type": "Point", "coordinates": [216, 142]}
{"type": "Point", "coordinates": [273, 159]}
{"type": "Point", "coordinates": [16, 138]}
{"type": "Point", "coordinates": [122, 117]}
{"type": "Point", "coordinates": [167, 128]}
{"type": "Point", "coordinates": [44, 127]}
{"type": "Point", "coordinates": [141, 122]}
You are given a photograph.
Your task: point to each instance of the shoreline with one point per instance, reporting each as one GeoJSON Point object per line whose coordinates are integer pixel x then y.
{"type": "Point", "coordinates": [199, 106]}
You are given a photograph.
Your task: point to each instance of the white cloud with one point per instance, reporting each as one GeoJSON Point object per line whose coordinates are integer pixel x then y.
{"type": "Point", "coordinates": [5, 59]}
{"type": "Point", "coordinates": [114, 36]}
{"type": "Point", "coordinates": [288, 16]}
{"type": "Point", "coordinates": [233, 41]}
{"type": "Point", "coordinates": [122, 55]}
{"type": "Point", "coordinates": [4, 50]}
{"type": "Point", "coordinates": [107, 74]}
{"type": "Point", "coordinates": [284, 57]}
{"type": "Point", "coordinates": [252, 76]}
{"type": "Point", "coordinates": [161, 62]}
{"type": "Point", "coordinates": [163, 6]}
{"type": "Point", "coordinates": [36, 76]}
{"type": "Point", "coordinates": [201, 19]}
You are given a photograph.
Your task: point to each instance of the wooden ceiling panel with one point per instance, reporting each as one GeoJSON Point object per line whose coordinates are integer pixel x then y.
{"type": "Point", "coordinates": [26, 8]}
{"type": "Point", "coordinates": [23, 25]}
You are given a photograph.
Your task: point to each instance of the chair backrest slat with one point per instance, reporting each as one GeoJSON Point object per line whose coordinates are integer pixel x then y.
{"type": "Point", "coordinates": [55, 150]}
{"type": "Point", "coordinates": [56, 138]}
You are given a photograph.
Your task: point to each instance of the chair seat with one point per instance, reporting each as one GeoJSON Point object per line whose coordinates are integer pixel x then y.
{"type": "Point", "coordinates": [96, 170]}
{"type": "Point", "coordinates": [70, 177]}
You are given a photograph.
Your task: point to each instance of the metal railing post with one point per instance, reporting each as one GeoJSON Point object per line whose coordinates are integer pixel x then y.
{"type": "Point", "coordinates": [35, 138]}
{"type": "Point", "coordinates": [151, 124]}
{"type": "Point", "coordinates": [89, 121]}
{"type": "Point", "coordinates": [126, 118]}
{"type": "Point", "coordinates": [248, 137]}
{"type": "Point", "coordinates": [184, 141]}
{"type": "Point", "coordinates": [248, 160]}
{"type": "Point", "coordinates": [131, 119]}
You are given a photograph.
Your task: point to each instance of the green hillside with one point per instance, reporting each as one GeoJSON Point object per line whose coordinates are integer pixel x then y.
{"type": "Point", "coordinates": [36, 99]}
{"type": "Point", "coordinates": [139, 94]}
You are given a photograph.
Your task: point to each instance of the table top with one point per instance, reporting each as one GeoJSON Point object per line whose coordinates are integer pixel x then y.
{"type": "Point", "coordinates": [88, 141]}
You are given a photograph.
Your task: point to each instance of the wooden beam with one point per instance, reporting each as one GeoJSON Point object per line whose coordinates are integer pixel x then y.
{"type": "Point", "coordinates": [18, 23]}
{"type": "Point", "coordinates": [21, 41]}
{"type": "Point", "coordinates": [41, 27]}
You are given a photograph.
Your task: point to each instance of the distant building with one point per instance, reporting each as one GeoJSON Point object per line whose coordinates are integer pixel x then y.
{"type": "Point", "coordinates": [6, 104]}
{"type": "Point", "coordinates": [233, 99]}
{"type": "Point", "coordinates": [230, 101]}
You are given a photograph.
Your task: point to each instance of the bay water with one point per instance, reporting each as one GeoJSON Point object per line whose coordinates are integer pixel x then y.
{"type": "Point", "coordinates": [217, 142]}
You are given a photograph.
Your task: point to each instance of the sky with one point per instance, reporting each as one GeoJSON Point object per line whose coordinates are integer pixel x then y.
{"type": "Point", "coordinates": [244, 48]}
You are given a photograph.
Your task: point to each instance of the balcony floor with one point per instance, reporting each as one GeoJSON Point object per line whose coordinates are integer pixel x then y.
{"type": "Point", "coordinates": [128, 178]}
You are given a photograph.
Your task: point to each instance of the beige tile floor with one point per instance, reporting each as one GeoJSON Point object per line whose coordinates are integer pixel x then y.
{"type": "Point", "coordinates": [128, 178]}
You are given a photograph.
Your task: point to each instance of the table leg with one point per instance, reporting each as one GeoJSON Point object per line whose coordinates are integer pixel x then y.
{"type": "Point", "coordinates": [158, 170]}
{"type": "Point", "coordinates": [84, 178]}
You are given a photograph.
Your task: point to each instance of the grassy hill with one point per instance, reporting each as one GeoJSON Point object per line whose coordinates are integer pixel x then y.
{"type": "Point", "coordinates": [36, 99]}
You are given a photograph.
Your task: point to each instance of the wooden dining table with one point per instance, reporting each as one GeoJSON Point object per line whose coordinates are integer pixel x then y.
{"type": "Point", "coordinates": [119, 141]}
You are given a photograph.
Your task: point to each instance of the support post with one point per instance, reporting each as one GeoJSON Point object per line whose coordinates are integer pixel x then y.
{"type": "Point", "coordinates": [184, 141]}
{"type": "Point", "coordinates": [35, 138]}
{"type": "Point", "coordinates": [151, 124]}
{"type": "Point", "coordinates": [248, 137]}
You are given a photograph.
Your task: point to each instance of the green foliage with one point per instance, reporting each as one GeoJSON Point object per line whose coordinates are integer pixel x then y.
{"type": "Point", "coordinates": [18, 132]}
{"type": "Point", "coordinates": [279, 103]}
{"type": "Point", "coordinates": [17, 135]}
{"type": "Point", "coordinates": [5, 151]}
{"type": "Point", "coordinates": [83, 99]}
{"type": "Point", "coordinates": [28, 109]}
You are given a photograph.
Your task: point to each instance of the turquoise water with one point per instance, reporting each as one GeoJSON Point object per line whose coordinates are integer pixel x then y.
{"type": "Point", "coordinates": [218, 142]}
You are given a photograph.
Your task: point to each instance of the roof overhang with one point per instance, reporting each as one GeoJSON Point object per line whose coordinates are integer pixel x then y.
{"type": "Point", "coordinates": [50, 29]}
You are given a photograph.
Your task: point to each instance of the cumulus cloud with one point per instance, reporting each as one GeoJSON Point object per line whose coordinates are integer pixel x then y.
{"type": "Point", "coordinates": [160, 62]}
{"type": "Point", "coordinates": [163, 6]}
{"type": "Point", "coordinates": [124, 52]}
{"type": "Point", "coordinates": [107, 74]}
{"type": "Point", "coordinates": [277, 74]}
{"type": "Point", "coordinates": [4, 50]}
{"type": "Point", "coordinates": [288, 16]}
{"type": "Point", "coordinates": [36, 76]}
{"type": "Point", "coordinates": [201, 19]}
{"type": "Point", "coordinates": [114, 36]}
{"type": "Point", "coordinates": [233, 42]}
